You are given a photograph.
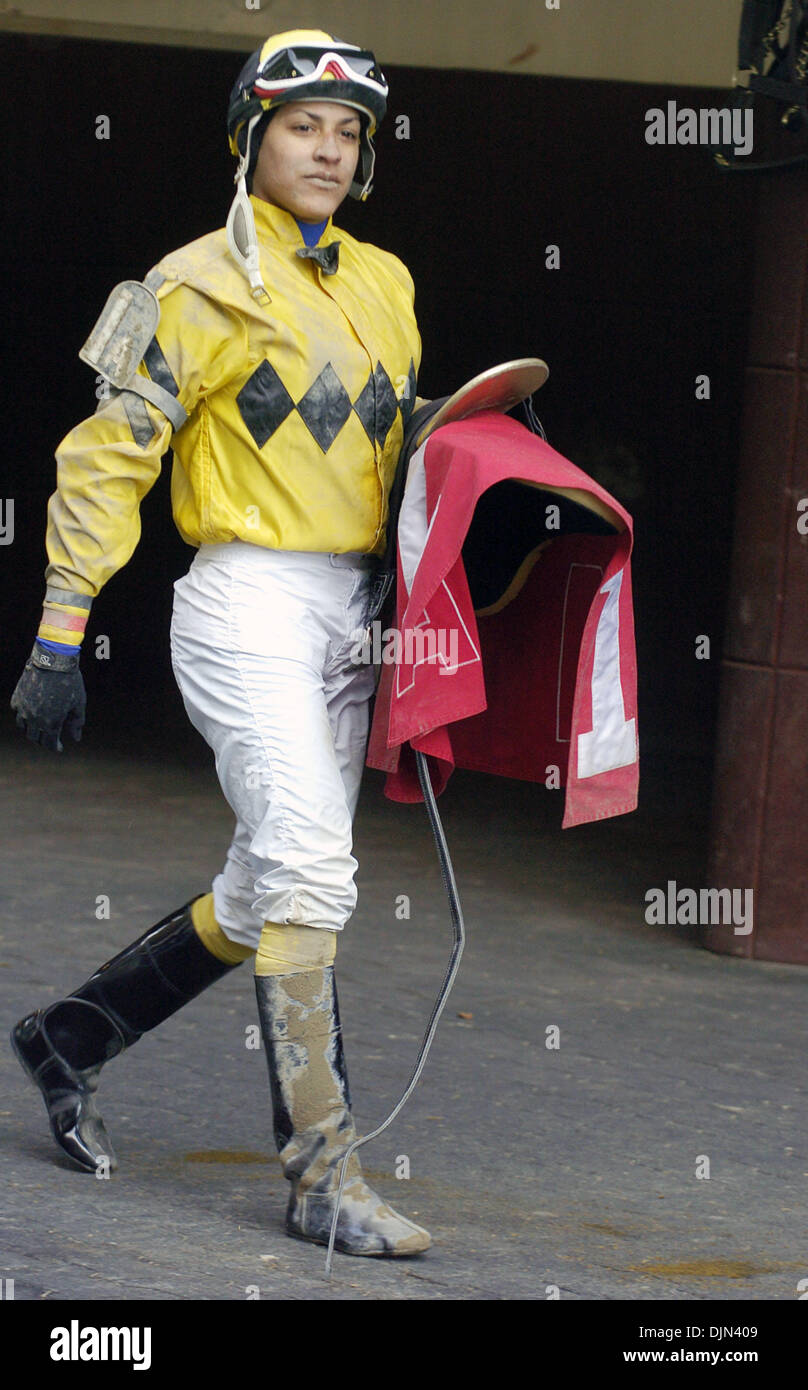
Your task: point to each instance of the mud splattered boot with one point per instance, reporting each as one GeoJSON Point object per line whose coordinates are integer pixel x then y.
{"type": "Point", "coordinates": [313, 1122]}
{"type": "Point", "coordinates": [63, 1047]}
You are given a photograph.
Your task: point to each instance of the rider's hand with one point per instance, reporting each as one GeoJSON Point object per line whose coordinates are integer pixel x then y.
{"type": "Point", "coordinates": [50, 696]}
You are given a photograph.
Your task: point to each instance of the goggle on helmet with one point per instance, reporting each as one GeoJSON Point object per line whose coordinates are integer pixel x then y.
{"type": "Point", "coordinates": [310, 63]}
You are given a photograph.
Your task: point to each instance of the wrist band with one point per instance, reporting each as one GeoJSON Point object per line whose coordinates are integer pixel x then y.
{"type": "Point", "coordinates": [45, 659]}
{"type": "Point", "coordinates": [64, 616]}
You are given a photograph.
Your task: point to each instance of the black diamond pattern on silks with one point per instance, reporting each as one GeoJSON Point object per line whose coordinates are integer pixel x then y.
{"type": "Point", "coordinates": [264, 403]}
{"type": "Point", "coordinates": [159, 369]}
{"type": "Point", "coordinates": [376, 405]}
{"type": "Point", "coordinates": [386, 403]}
{"type": "Point", "coordinates": [365, 407]}
{"type": "Point", "coordinates": [325, 407]}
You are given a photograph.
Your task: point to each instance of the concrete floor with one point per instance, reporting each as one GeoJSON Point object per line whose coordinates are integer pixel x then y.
{"type": "Point", "coordinates": [569, 1169]}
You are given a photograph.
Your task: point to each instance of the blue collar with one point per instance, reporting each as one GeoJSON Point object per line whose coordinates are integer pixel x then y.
{"type": "Point", "coordinates": [311, 232]}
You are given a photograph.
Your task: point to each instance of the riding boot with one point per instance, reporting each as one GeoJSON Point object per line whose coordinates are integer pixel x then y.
{"type": "Point", "coordinates": [63, 1047]}
{"type": "Point", "coordinates": [313, 1123]}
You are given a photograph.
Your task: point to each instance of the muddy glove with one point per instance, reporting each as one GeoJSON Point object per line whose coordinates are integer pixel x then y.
{"type": "Point", "coordinates": [49, 695]}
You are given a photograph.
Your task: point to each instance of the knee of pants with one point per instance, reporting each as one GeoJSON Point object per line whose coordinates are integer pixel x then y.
{"type": "Point", "coordinates": [290, 950]}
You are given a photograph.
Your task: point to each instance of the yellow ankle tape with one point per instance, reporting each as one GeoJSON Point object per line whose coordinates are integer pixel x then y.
{"type": "Point", "coordinates": [287, 950]}
{"type": "Point", "coordinates": [212, 936]}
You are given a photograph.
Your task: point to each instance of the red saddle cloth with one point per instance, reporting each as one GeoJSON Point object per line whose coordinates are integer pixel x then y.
{"type": "Point", "coordinates": [514, 641]}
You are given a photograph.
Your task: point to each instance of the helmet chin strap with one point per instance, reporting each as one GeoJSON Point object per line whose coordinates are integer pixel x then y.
{"type": "Point", "coordinates": [242, 238]}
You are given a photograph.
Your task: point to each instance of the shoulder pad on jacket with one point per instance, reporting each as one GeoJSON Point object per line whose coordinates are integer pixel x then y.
{"type": "Point", "coordinates": [121, 337]}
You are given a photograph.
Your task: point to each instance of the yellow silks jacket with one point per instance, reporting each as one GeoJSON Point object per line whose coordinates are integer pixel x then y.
{"type": "Point", "coordinates": [296, 410]}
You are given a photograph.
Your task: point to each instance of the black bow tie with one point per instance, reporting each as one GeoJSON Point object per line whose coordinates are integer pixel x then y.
{"type": "Point", "coordinates": [327, 257]}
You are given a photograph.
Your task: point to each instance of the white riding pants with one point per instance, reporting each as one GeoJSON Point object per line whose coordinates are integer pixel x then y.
{"type": "Point", "coordinates": [261, 646]}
